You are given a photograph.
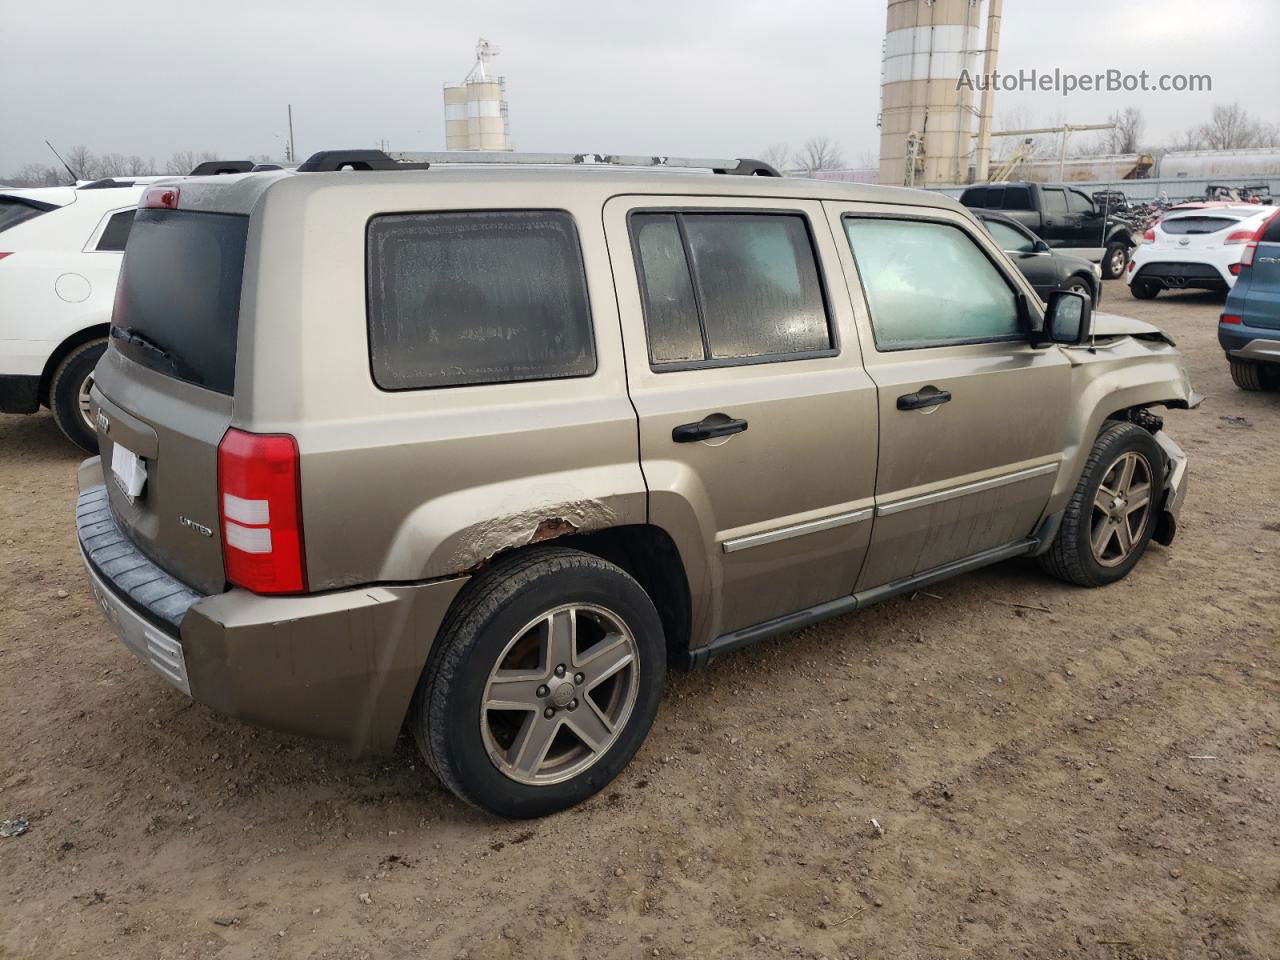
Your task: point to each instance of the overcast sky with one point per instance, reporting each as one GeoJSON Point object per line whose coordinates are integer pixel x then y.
{"type": "Point", "coordinates": [680, 77]}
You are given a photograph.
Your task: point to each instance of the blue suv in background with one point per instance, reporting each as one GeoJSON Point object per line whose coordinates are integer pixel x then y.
{"type": "Point", "coordinates": [1249, 329]}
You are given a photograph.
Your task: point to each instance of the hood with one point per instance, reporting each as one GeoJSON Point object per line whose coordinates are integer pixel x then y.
{"type": "Point", "coordinates": [1114, 325]}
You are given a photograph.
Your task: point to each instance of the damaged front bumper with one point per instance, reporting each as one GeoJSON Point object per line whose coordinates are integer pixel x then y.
{"type": "Point", "coordinates": [341, 665]}
{"type": "Point", "coordinates": [1175, 489]}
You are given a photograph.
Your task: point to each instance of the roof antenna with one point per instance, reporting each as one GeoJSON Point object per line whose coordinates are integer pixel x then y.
{"type": "Point", "coordinates": [74, 176]}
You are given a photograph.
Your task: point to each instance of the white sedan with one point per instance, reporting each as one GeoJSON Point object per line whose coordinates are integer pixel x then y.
{"type": "Point", "coordinates": [1195, 247]}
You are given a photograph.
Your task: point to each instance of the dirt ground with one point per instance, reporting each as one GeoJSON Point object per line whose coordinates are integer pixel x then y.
{"type": "Point", "coordinates": [1094, 779]}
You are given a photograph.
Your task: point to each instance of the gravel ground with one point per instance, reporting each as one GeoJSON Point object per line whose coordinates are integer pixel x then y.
{"type": "Point", "coordinates": [1094, 779]}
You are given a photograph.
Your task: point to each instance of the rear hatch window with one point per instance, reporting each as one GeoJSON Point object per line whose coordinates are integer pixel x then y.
{"type": "Point", "coordinates": [16, 210]}
{"type": "Point", "coordinates": [1197, 225]}
{"type": "Point", "coordinates": [178, 304]}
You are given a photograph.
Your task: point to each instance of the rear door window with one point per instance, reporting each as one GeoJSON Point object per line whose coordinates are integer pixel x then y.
{"type": "Point", "coordinates": [116, 233]}
{"type": "Point", "coordinates": [178, 304]}
{"type": "Point", "coordinates": [929, 284]}
{"type": "Point", "coordinates": [459, 299]}
{"type": "Point", "coordinates": [1017, 198]}
{"type": "Point", "coordinates": [729, 287]}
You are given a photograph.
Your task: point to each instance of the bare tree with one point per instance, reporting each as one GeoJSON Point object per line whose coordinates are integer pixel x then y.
{"type": "Point", "coordinates": [820, 153]}
{"type": "Point", "coordinates": [112, 165]}
{"type": "Point", "coordinates": [135, 166]}
{"type": "Point", "coordinates": [36, 175]}
{"type": "Point", "coordinates": [1230, 128]}
{"type": "Point", "coordinates": [1127, 134]}
{"type": "Point", "coordinates": [82, 160]}
{"type": "Point", "coordinates": [777, 155]}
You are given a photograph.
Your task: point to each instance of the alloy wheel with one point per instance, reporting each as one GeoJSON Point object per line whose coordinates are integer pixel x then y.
{"type": "Point", "coordinates": [560, 694]}
{"type": "Point", "coordinates": [1120, 509]}
{"type": "Point", "coordinates": [82, 400]}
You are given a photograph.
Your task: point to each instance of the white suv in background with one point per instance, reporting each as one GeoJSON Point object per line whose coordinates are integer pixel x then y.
{"type": "Point", "coordinates": [60, 253]}
{"type": "Point", "coordinates": [1195, 247]}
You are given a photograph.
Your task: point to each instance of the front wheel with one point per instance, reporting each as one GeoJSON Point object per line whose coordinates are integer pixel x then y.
{"type": "Point", "coordinates": [1112, 514]}
{"type": "Point", "coordinates": [1114, 260]}
{"type": "Point", "coordinates": [544, 682]}
{"type": "Point", "coordinates": [69, 394]}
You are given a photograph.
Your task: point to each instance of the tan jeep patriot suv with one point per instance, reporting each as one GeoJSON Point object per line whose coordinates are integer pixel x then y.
{"type": "Point", "coordinates": [480, 449]}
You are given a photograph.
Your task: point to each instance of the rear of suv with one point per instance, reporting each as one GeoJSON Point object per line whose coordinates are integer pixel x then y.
{"type": "Point", "coordinates": [481, 449]}
{"type": "Point", "coordinates": [1249, 329]}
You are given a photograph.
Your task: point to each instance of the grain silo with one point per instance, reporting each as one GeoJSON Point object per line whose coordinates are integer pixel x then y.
{"type": "Point", "coordinates": [926, 113]}
{"type": "Point", "coordinates": [475, 109]}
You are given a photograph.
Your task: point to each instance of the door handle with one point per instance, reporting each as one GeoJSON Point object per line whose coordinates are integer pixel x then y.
{"type": "Point", "coordinates": [918, 401]}
{"type": "Point", "coordinates": [707, 429]}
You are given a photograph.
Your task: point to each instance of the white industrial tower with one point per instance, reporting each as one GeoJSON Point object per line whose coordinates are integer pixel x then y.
{"type": "Point", "coordinates": [475, 108]}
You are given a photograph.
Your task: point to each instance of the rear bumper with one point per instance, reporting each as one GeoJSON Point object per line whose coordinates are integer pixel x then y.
{"type": "Point", "coordinates": [19, 393]}
{"type": "Point", "coordinates": [1249, 343]}
{"type": "Point", "coordinates": [1175, 275]}
{"type": "Point", "coordinates": [340, 666]}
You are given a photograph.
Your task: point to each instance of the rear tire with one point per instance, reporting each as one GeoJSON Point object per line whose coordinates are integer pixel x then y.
{"type": "Point", "coordinates": [1114, 260]}
{"type": "Point", "coordinates": [69, 394]}
{"type": "Point", "coordinates": [1250, 375]}
{"type": "Point", "coordinates": [1142, 290]}
{"type": "Point", "coordinates": [504, 637]}
{"type": "Point", "coordinates": [1089, 549]}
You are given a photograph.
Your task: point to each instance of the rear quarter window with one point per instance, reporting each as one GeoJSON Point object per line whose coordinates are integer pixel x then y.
{"type": "Point", "coordinates": [457, 299]}
{"type": "Point", "coordinates": [14, 211]}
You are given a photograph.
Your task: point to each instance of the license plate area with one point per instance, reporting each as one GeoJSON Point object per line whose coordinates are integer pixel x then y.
{"type": "Point", "coordinates": [129, 471]}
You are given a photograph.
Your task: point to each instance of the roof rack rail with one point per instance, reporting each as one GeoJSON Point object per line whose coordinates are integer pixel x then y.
{"type": "Point", "coordinates": [328, 160]}
{"type": "Point", "coordinates": [213, 167]}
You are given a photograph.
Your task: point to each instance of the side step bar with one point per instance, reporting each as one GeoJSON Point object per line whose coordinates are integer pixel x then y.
{"type": "Point", "coordinates": [738, 639]}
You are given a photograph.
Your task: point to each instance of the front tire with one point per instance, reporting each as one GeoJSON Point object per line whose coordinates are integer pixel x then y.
{"type": "Point", "coordinates": [1114, 260]}
{"type": "Point", "coordinates": [69, 394]}
{"type": "Point", "coordinates": [1251, 376]}
{"type": "Point", "coordinates": [544, 682]}
{"type": "Point", "coordinates": [1112, 514]}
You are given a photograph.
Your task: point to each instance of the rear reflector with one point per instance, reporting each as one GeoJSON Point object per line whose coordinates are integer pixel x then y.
{"type": "Point", "coordinates": [1235, 269]}
{"type": "Point", "coordinates": [259, 512]}
{"type": "Point", "coordinates": [1229, 318]}
{"type": "Point", "coordinates": [1132, 266]}
{"type": "Point", "coordinates": [160, 198]}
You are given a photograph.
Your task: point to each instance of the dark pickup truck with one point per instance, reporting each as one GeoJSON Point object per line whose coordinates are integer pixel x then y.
{"type": "Point", "coordinates": [1065, 218]}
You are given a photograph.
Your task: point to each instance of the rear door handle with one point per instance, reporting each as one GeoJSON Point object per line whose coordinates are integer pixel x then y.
{"type": "Point", "coordinates": [918, 401]}
{"type": "Point", "coordinates": [707, 429]}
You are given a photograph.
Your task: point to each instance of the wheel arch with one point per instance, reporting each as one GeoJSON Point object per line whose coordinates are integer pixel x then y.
{"type": "Point", "coordinates": [97, 331]}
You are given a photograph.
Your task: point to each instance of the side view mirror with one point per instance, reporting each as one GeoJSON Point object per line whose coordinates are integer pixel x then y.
{"type": "Point", "coordinates": [1042, 247]}
{"type": "Point", "coordinates": [1068, 318]}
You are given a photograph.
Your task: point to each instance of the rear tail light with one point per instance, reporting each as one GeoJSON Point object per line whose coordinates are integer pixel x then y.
{"type": "Point", "coordinates": [1251, 249]}
{"type": "Point", "coordinates": [1149, 236]}
{"type": "Point", "coordinates": [1229, 318]}
{"type": "Point", "coordinates": [3, 255]}
{"type": "Point", "coordinates": [1237, 237]}
{"type": "Point", "coordinates": [260, 512]}
{"type": "Point", "coordinates": [160, 198]}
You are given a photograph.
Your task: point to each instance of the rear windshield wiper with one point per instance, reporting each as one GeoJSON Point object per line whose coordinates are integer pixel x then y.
{"type": "Point", "coordinates": [146, 343]}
